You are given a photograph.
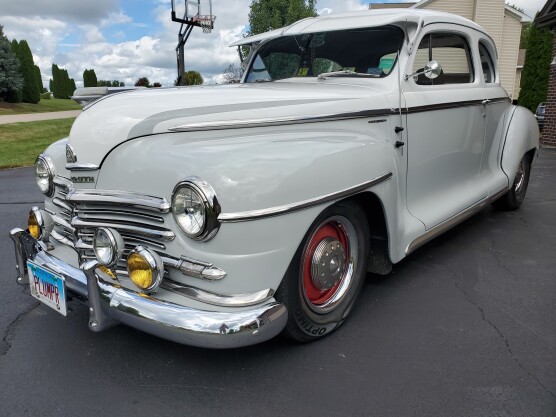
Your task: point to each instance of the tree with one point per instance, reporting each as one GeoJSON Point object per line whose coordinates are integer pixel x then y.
{"type": "Point", "coordinates": [62, 86]}
{"type": "Point", "coordinates": [266, 15]}
{"type": "Point", "coordinates": [11, 81]}
{"type": "Point", "coordinates": [157, 85]}
{"type": "Point", "coordinates": [89, 78]}
{"type": "Point", "coordinates": [142, 82]}
{"type": "Point", "coordinates": [536, 70]}
{"type": "Point", "coordinates": [192, 78]}
{"type": "Point", "coordinates": [38, 78]}
{"type": "Point", "coordinates": [108, 83]}
{"type": "Point", "coordinates": [30, 91]}
{"type": "Point", "coordinates": [232, 74]}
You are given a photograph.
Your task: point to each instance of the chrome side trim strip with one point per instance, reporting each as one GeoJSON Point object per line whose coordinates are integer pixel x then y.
{"type": "Point", "coordinates": [74, 166]}
{"type": "Point", "coordinates": [194, 268]}
{"type": "Point", "coordinates": [119, 197]}
{"type": "Point", "coordinates": [276, 121]}
{"type": "Point", "coordinates": [454, 221]}
{"type": "Point", "coordinates": [235, 300]}
{"type": "Point", "coordinates": [289, 208]}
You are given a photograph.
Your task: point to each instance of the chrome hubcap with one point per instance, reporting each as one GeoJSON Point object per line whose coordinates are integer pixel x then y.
{"type": "Point", "coordinates": [327, 263]}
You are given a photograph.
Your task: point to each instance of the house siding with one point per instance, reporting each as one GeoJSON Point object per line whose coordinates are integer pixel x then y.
{"type": "Point", "coordinates": [509, 52]}
{"type": "Point", "coordinates": [490, 15]}
{"type": "Point", "coordinates": [463, 8]}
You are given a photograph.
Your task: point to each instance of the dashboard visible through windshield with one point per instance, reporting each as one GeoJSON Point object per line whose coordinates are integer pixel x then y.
{"type": "Point", "coordinates": [368, 51]}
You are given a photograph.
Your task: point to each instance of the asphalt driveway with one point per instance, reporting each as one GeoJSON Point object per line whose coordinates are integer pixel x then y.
{"type": "Point", "coordinates": [465, 326]}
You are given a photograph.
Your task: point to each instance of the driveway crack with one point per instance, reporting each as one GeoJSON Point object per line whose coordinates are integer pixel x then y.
{"type": "Point", "coordinates": [453, 276]}
{"type": "Point", "coordinates": [6, 340]}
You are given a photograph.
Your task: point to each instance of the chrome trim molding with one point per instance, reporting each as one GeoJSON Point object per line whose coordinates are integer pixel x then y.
{"type": "Point", "coordinates": [223, 300]}
{"type": "Point", "coordinates": [74, 166]}
{"type": "Point", "coordinates": [71, 157]}
{"type": "Point", "coordinates": [194, 268]}
{"type": "Point", "coordinates": [110, 304]}
{"type": "Point", "coordinates": [164, 234]}
{"type": "Point", "coordinates": [454, 221]}
{"type": "Point", "coordinates": [119, 197]}
{"type": "Point", "coordinates": [289, 208]}
{"type": "Point", "coordinates": [278, 121]}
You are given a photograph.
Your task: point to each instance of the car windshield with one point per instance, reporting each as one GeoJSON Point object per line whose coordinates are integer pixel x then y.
{"type": "Point", "coordinates": [369, 51]}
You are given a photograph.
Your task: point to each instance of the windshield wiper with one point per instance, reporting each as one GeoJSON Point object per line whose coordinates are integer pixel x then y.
{"type": "Point", "coordinates": [352, 74]}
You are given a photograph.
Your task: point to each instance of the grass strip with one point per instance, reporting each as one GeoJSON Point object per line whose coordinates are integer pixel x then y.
{"type": "Point", "coordinates": [44, 106]}
{"type": "Point", "coordinates": [21, 143]}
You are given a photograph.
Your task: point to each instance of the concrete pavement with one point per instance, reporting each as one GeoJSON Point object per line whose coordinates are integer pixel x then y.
{"type": "Point", "coordinates": [34, 117]}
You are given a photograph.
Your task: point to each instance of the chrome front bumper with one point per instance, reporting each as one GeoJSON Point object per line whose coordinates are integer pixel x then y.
{"type": "Point", "coordinates": [110, 304]}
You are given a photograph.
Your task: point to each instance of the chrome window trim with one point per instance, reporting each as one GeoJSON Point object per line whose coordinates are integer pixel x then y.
{"type": "Point", "coordinates": [289, 208]}
{"type": "Point", "coordinates": [71, 157]}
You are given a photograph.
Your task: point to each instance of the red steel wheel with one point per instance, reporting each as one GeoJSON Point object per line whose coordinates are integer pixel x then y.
{"type": "Point", "coordinates": [327, 272]}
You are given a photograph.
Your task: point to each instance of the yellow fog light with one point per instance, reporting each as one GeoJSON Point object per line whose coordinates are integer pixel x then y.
{"type": "Point", "coordinates": [34, 223]}
{"type": "Point", "coordinates": [145, 268]}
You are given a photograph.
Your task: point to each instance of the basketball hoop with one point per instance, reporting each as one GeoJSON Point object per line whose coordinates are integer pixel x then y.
{"type": "Point", "coordinates": [205, 21]}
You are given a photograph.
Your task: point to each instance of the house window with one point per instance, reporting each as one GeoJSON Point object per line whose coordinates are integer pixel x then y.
{"type": "Point", "coordinates": [451, 52]}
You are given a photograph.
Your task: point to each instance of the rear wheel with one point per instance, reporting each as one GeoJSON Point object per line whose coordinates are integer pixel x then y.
{"type": "Point", "coordinates": [515, 196]}
{"type": "Point", "coordinates": [327, 273]}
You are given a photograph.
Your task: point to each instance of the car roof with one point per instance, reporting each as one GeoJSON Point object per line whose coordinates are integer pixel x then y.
{"type": "Point", "coordinates": [360, 19]}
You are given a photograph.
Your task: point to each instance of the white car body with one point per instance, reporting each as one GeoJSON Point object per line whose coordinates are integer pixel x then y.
{"type": "Point", "coordinates": [277, 155]}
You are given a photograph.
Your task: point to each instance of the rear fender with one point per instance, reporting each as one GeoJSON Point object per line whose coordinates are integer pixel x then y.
{"type": "Point", "coordinates": [522, 135]}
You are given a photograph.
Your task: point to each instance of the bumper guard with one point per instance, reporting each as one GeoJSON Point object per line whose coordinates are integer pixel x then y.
{"type": "Point", "coordinates": [110, 304]}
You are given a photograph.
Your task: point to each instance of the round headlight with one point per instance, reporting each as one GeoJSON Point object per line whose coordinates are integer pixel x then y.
{"type": "Point", "coordinates": [145, 268]}
{"type": "Point", "coordinates": [196, 209]}
{"type": "Point", "coordinates": [44, 175]}
{"type": "Point", "coordinates": [108, 246]}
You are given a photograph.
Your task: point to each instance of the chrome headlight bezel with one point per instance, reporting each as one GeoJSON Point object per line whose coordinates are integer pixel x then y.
{"type": "Point", "coordinates": [115, 245]}
{"type": "Point", "coordinates": [211, 206]}
{"type": "Point", "coordinates": [50, 172]}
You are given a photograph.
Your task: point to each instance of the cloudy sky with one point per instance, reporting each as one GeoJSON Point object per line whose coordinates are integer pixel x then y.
{"type": "Point", "coordinates": [127, 39]}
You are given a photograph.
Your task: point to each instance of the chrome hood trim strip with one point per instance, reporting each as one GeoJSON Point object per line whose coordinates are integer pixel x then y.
{"type": "Point", "coordinates": [119, 197]}
{"type": "Point", "coordinates": [276, 121]}
{"type": "Point", "coordinates": [289, 208]}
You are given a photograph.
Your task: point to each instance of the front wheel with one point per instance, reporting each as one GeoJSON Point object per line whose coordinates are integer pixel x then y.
{"type": "Point", "coordinates": [515, 196]}
{"type": "Point", "coordinates": [327, 273]}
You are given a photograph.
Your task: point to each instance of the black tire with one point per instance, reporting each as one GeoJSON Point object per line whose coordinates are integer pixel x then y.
{"type": "Point", "coordinates": [515, 196]}
{"type": "Point", "coordinates": [337, 242]}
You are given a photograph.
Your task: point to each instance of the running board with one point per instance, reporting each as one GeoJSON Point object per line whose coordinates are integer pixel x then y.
{"type": "Point", "coordinates": [454, 221]}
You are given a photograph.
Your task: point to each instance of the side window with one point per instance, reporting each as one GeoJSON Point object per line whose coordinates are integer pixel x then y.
{"type": "Point", "coordinates": [486, 64]}
{"type": "Point", "coordinates": [451, 52]}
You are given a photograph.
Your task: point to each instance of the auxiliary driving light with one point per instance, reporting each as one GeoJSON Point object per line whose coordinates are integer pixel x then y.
{"type": "Point", "coordinates": [145, 268]}
{"type": "Point", "coordinates": [108, 246]}
{"type": "Point", "coordinates": [39, 224]}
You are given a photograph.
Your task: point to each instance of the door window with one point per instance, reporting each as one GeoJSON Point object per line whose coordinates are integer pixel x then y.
{"type": "Point", "coordinates": [451, 51]}
{"type": "Point", "coordinates": [486, 64]}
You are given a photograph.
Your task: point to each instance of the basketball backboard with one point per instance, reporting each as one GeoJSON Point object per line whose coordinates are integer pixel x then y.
{"type": "Point", "coordinates": [193, 12]}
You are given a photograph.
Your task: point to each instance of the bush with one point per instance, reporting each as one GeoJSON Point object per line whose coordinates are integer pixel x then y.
{"type": "Point", "coordinates": [45, 96]}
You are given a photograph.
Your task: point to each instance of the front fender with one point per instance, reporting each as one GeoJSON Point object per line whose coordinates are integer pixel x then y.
{"type": "Point", "coordinates": [250, 171]}
{"type": "Point", "coordinates": [522, 135]}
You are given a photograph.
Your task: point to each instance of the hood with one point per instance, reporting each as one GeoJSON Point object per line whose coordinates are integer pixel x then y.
{"type": "Point", "coordinates": [120, 117]}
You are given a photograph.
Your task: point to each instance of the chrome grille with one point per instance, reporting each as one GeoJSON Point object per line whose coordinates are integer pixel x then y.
{"type": "Point", "coordinates": [140, 219]}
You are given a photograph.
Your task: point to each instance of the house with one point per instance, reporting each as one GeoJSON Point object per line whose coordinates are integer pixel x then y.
{"type": "Point", "coordinates": [547, 18]}
{"type": "Point", "coordinates": [501, 21]}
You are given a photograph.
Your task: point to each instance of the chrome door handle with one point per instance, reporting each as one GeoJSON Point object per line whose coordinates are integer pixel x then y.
{"type": "Point", "coordinates": [486, 101]}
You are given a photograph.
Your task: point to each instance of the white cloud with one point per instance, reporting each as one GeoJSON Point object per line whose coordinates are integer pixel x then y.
{"type": "Point", "coordinates": [74, 10]}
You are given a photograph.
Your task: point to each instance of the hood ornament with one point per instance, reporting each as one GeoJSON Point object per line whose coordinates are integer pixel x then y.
{"type": "Point", "coordinates": [71, 157]}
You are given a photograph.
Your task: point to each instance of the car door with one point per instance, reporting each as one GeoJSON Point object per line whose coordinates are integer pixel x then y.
{"type": "Point", "coordinates": [445, 128]}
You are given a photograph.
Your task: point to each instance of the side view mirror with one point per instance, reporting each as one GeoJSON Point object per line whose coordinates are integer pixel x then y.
{"type": "Point", "coordinates": [431, 70]}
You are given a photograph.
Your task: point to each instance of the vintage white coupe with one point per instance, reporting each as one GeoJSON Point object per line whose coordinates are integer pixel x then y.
{"type": "Point", "coordinates": [221, 216]}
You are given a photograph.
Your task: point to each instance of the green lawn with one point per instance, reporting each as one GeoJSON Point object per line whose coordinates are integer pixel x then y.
{"type": "Point", "coordinates": [54, 104]}
{"type": "Point", "coordinates": [21, 143]}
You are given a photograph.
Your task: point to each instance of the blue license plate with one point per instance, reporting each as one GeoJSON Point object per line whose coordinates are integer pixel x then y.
{"type": "Point", "coordinates": [47, 287]}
